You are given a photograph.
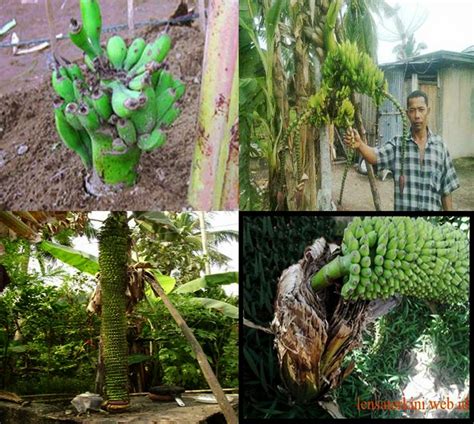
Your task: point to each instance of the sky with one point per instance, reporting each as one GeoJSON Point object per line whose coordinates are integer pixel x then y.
{"type": "Point", "coordinates": [449, 25]}
{"type": "Point", "coordinates": [218, 221]}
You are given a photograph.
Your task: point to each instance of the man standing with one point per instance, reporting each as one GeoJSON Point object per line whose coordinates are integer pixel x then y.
{"type": "Point", "coordinates": [430, 177]}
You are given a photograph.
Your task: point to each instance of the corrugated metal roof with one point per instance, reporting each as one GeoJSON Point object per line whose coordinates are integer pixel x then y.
{"type": "Point", "coordinates": [440, 57]}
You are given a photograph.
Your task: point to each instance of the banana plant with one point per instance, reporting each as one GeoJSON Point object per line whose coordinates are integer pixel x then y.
{"type": "Point", "coordinates": [116, 105]}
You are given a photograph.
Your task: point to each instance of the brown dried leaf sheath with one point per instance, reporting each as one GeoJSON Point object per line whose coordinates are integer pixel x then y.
{"type": "Point", "coordinates": [314, 330]}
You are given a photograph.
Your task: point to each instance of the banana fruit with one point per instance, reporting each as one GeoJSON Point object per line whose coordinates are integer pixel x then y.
{"type": "Point", "coordinates": [63, 86]}
{"type": "Point", "coordinates": [79, 37]}
{"type": "Point", "coordinates": [92, 22]}
{"type": "Point", "coordinates": [116, 51]}
{"type": "Point", "coordinates": [101, 104]}
{"type": "Point", "coordinates": [149, 142]}
{"type": "Point", "coordinates": [144, 119]}
{"type": "Point", "coordinates": [71, 137]}
{"type": "Point", "coordinates": [157, 51]}
{"type": "Point", "coordinates": [125, 101]}
{"type": "Point", "coordinates": [134, 53]}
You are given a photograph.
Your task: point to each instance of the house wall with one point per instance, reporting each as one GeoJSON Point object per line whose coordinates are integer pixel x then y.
{"type": "Point", "coordinates": [457, 110]}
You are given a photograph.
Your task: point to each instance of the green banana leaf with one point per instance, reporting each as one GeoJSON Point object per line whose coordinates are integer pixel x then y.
{"type": "Point", "coordinates": [80, 260]}
{"type": "Point", "coordinates": [166, 282]}
{"type": "Point", "coordinates": [227, 309]}
{"type": "Point", "coordinates": [210, 280]}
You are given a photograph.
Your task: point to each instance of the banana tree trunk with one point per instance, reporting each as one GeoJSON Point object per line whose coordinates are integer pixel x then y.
{"type": "Point", "coordinates": [114, 252]}
{"type": "Point", "coordinates": [303, 194]}
{"type": "Point", "coordinates": [325, 193]}
{"type": "Point", "coordinates": [215, 149]}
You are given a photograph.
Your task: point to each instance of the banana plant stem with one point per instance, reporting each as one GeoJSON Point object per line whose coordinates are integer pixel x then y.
{"type": "Point", "coordinates": [335, 269]}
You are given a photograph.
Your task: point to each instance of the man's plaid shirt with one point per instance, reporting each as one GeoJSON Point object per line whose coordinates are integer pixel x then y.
{"type": "Point", "coordinates": [425, 183]}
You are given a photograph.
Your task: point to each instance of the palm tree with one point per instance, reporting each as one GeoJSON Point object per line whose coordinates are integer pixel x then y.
{"type": "Point", "coordinates": [409, 48]}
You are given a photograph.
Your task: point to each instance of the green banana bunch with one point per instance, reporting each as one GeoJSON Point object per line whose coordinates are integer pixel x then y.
{"type": "Point", "coordinates": [115, 106]}
{"type": "Point", "coordinates": [384, 256]}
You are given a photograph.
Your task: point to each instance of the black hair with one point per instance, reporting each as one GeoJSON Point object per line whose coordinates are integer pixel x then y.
{"type": "Point", "coordinates": [417, 93]}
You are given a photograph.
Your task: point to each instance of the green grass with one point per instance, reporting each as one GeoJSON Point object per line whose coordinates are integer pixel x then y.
{"type": "Point", "coordinates": [383, 365]}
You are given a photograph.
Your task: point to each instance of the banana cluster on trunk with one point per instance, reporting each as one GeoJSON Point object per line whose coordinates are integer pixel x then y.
{"type": "Point", "coordinates": [384, 256]}
{"type": "Point", "coordinates": [114, 252]}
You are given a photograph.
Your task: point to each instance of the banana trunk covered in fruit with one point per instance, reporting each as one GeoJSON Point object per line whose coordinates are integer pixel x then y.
{"type": "Point", "coordinates": [117, 105]}
{"type": "Point", "coordinates": [383, 256]}
{"type": "Point", "coordinates": [114, 250]}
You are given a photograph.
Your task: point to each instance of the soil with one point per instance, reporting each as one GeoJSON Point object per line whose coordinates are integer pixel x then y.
{"type": "Point", "coordinates": [142, 410]}
{"type": "Point", "coordinates": [37, 172]}
{"type": "Point", "coordinates": [358, 196]}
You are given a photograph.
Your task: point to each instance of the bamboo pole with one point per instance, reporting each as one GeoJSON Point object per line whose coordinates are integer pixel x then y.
{"type": "Point", "coordinates": [201, 357]}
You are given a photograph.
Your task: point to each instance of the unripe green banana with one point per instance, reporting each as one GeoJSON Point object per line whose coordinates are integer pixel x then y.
{"type": "Point", "coordinates": [78, 87]}
{"type": "Point", "coordinates": [170, 116]}
{"type": "Point", "coordinates": [144, 119]}
{"type": "Point", "coordinates": [156, 51]}
{"type": "Point", "coordinates": [116, 51]}
{"type": "Point", "coordinates": [101, 103]}
{"type": "Point", "coordinates": [164, 102]}
{"type": "Point", "coordinates": [75, 72]}
{"type": "Point", "coordinates": [86, 141]}
{"type": "Point", "coordinates": [148, 142]}
{"type": "Point", "coordinates": [179, 88]}
{"type": "Point", "coordinates": [62, 70]}
{"type": "Point", "coordinates": [78, 36]}
{"type": "Point", "coordinates": [165, 81]}
{"type": "Point", "coordinates": [124, 101]}
{"type": "Point", "coordinates": [140, 81]}
{"type": "Point", "coordinates": [92, 22]}
{"type": "Point", "coordinates": [134, 53]}
{"type": "Point", "coordinates": [70, 112]}
{"type": "Point", "coordinates": [127, 132]}
{"type": "Point", "coordinates": [71, 137]}
{"type": "Point", "coordinates": [63, 87]}
{"type": "Point", "coordinates": [88, 118]}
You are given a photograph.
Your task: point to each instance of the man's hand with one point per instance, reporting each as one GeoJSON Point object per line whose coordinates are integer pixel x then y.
{"type": "Point", "coordinates": [352, 138]}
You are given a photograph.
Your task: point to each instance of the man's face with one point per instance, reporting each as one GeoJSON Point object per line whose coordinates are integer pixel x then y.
{"type": "Point", "coordinates": [418, 112]}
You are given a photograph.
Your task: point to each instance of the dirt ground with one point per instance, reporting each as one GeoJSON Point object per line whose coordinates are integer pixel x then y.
{"type": "Point", "coordinates": [358, 197]}
{"type": "Point", "coordinates": [37, 172]}
{"type": "Point", "coordinates": [141, 410]}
